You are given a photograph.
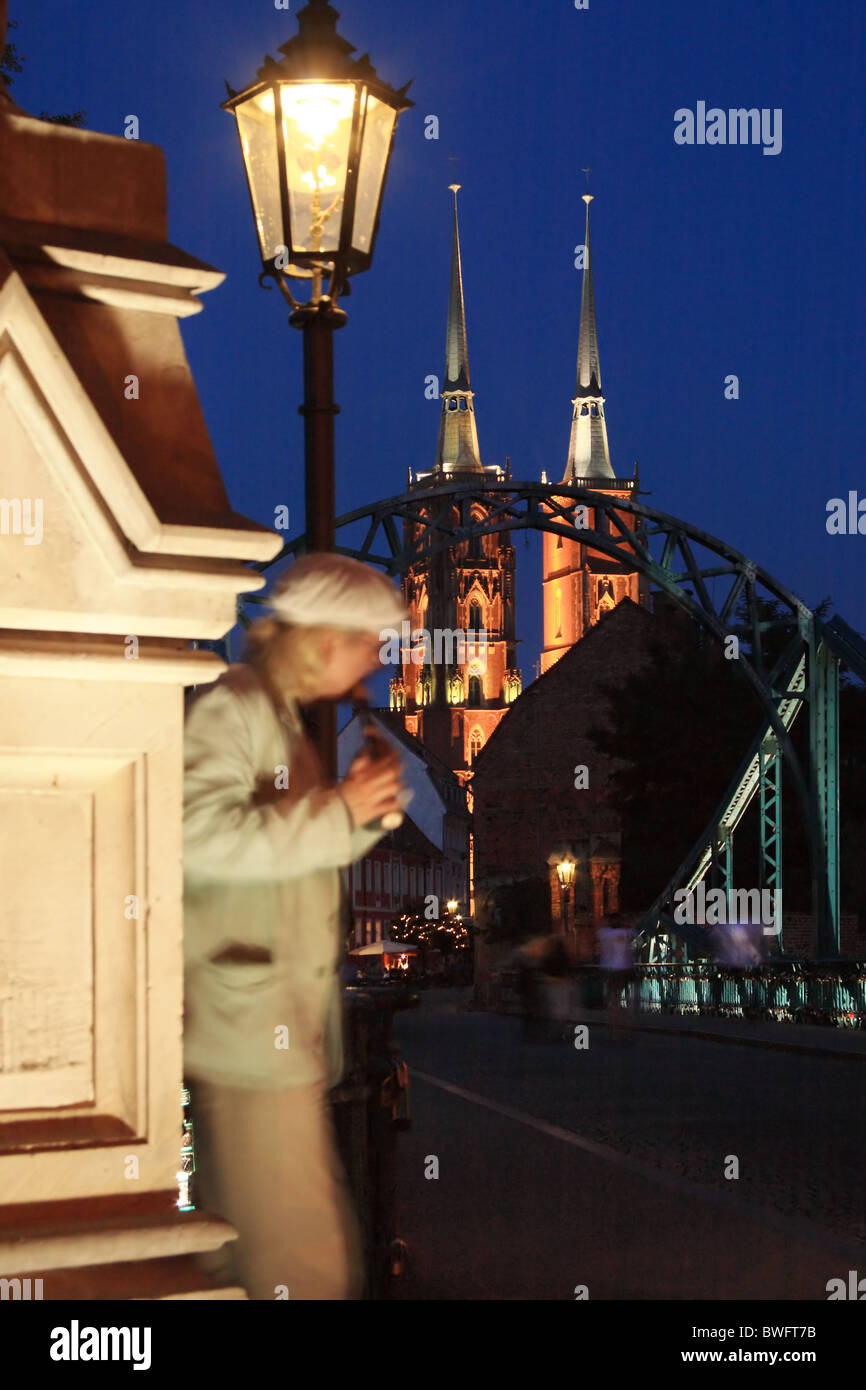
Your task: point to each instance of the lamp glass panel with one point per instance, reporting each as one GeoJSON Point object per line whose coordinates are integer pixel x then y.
{"type": "Point", "coordinates": [317, 127]}
{"type": "Point", "coordinates": [257, 129]}
{"type": "Point", "coordinates": [378, 125]}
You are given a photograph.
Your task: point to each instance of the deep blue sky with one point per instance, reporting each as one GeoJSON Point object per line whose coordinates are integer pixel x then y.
{"type": "Point", "coordinates": [708, 260]}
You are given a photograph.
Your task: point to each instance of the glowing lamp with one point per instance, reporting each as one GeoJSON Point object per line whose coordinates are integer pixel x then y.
{"type": "Point", "coordinates": [316, 131]}
{"type": "Point", "coordinates": [565, 869]}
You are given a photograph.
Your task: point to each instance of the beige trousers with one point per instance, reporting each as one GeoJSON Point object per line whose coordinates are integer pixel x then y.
{"type": "Point", "coordinates": [267, 1161]}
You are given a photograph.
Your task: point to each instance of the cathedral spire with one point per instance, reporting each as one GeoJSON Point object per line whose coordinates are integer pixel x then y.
{"type": "Point", "coordinates": [457, 451]}
{"type": "Point", "coordinates": [588, 453]}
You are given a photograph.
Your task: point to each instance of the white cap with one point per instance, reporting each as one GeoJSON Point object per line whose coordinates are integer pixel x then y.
{"type": "Point", "coordinates": [327, 590]}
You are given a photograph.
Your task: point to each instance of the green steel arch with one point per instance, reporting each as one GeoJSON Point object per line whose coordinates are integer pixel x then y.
{"type": "Point", "coordinates": [688, 564]}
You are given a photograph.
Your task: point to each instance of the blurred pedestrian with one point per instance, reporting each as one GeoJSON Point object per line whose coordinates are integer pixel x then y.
{"type": "Point", "coordinates": [530, 988]}
{"type": "Point", "coordinates": [265, 837]}
{"type": "Point", "coordinates": [616, 943]}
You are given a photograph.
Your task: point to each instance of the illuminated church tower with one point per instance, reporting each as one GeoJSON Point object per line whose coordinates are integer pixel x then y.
{"type": "Point", "coordinates": [454, 700]}
{"type": "Point", "coordinates": [580, 583]}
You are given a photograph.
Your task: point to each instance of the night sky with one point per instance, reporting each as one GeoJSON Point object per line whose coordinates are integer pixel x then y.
{"type": "Point", "coordinates": [708, 260]}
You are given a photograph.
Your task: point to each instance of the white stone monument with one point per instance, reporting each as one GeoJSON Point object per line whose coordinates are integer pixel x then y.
{"type": "Point", "coordinates": [118, 547]}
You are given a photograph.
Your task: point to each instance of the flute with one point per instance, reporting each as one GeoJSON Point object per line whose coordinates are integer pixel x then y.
{"type": "Point", "coordinates": [374, 745]}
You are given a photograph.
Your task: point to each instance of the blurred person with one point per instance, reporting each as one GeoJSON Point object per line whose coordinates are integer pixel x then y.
{"type": "Point", "coordinates": [556, 960]}
{"type": "Point", "coordinates": [531, 989]}
{"type": "Point", "coordinates": [738, 943]}
{"type": "Point", "coordinates": [558, 974]}
{"type": "Point", "coordinates": [265, 838]}
{"type": "Point", "coordinates": [616, 944]}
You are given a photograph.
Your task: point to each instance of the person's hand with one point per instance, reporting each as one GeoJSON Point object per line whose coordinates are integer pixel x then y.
{"type": "Point", "coordinates": [372, 786]}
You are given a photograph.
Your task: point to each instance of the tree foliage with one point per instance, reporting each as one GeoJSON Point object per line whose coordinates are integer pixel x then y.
{"type": "Point", "coordinates": [12, 65]}
{"type": "Point", "coordinates": [445, 933]}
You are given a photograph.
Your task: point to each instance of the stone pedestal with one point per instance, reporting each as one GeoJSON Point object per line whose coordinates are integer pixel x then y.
{"type": "Point", "coordinates": [118, 547]}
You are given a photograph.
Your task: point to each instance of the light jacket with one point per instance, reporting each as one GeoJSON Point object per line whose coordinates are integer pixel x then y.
{"type": "Point", "coordinates": [261, 873]}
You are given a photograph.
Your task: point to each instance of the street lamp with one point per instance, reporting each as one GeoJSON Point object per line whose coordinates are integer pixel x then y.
{"type": "Point", "coordinates": [316, 131]}
{"type": "Point", "coordinates": [566, 870]}
{"type": "Point", "coordinates": [452, 905]}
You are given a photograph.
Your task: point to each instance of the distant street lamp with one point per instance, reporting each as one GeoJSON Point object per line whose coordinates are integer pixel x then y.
{"type": "Point", "coordinates": [316, 132]}
{"type": "Point", "coordinates": [566, 870]}
{"type": "Point", "coordinates": [452, 905]}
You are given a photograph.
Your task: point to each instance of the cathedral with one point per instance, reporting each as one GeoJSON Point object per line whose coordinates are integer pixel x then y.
{"type": "Point", "coordinates": [453, 701]}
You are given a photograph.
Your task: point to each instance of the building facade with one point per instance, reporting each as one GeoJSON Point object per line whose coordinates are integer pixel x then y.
{"type": "Point", "coordinates": [427, 856]}
{"type": "Point", "coordinates": [542, 787]}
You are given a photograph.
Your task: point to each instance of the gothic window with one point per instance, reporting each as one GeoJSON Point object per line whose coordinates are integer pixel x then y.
{"type": "Point", "coordinates": [559, 542]}
{"type": "Point", "coordinates": [452, 404]}
{"type": "Point", "coordinates": [606, 596]}
{"type": "Point", "coordinates": [475, 692]}
{"type": "Point", "coordinates": [584, 410]}
{"type": "Point", "coordinates": [557, 613]}
{"type": "Point", "coordinates": [476, 617]}
{"type": "Point", "coordinates": [476, 743]}
{"type": "Point", "coordinates": [594, 410]}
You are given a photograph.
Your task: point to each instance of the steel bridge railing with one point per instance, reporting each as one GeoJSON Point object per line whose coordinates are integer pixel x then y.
{"type": "Point", "coordinates": [823, 993]}
{"type": "Point", "coordinates": [831, 994]}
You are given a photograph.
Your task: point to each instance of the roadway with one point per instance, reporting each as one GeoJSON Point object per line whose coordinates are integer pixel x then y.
{"type": "Point", "coordinates": [604, 1167]}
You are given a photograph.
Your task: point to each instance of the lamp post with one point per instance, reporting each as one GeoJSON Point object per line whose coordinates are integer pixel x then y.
{"type": "Point", "coordinates": [566, 870]}
{"type": "Point", "coordinates": [316, 131]}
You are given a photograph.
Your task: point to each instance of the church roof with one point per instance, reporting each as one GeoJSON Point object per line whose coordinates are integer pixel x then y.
{"type": "Point", "coordinates": [624, 615]}
{"type": "Point", "coordinates": [393, 719]}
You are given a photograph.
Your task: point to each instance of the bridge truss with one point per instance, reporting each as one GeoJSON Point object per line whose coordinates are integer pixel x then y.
{"type": "Point", "coordinates": [712, 582]}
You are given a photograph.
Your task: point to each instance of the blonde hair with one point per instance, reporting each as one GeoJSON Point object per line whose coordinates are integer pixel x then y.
{"type": "Point", "coordinates": [289, 653]}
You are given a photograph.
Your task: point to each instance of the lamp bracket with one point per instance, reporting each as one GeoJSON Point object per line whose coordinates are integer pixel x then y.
{"type": "Point", "coordinates": [325, 303]}
{"type": "Point", "coordinates": [280, 282]}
